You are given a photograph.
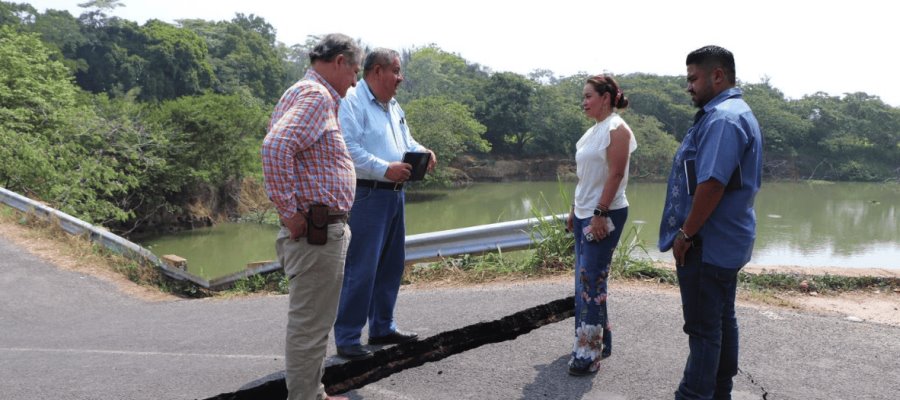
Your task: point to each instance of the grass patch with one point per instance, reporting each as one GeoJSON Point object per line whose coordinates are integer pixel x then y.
{"type": "Point", "coordinates": [825, 284]}
{"type": "Point", "coordinates": [274, 282]}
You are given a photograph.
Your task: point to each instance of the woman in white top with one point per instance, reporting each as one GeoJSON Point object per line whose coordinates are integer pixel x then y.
{"type": "Point", "coordinates": [598, 217]}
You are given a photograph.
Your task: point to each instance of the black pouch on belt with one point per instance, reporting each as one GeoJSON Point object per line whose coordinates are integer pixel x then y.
{"type": "Point", "coordinates": [317, 224]}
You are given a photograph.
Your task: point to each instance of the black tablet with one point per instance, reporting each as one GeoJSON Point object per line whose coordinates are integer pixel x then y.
{"type": "Point", "coordinates": [419, 162]}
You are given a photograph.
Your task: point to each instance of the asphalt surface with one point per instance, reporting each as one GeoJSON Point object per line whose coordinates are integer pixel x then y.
{"type": "Point", "coordinates": [65, 335]}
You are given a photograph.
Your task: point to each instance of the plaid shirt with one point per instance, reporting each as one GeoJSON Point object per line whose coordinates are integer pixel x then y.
{"type": "Point", "coordinates": [305, 160]}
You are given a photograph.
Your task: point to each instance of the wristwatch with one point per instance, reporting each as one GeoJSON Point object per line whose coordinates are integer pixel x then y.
{"type": "Point", "coordinates": [601, 213]}
{"type": "Point", "coordinates": [684, 236]}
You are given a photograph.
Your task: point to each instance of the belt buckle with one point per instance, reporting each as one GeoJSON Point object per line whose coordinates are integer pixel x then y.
{"type": "Point", "coordinates": [398, 186]}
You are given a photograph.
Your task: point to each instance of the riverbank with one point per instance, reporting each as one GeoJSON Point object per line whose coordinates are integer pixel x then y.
{"type": "Point", "coordinates": [880, 306]}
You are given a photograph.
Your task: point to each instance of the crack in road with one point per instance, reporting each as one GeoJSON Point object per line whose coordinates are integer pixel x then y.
{"type": "Point", "coordinates": [765, 393]}
{"type": "Point", "coordinates": [341, 378]}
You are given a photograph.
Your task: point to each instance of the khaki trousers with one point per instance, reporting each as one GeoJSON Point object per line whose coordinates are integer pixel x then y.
{"type": "Point", "coordinates": [316, 274]}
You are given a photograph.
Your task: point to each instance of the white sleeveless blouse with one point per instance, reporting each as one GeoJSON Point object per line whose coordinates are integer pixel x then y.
{"type": "Point", "coordinates": [592, 167]}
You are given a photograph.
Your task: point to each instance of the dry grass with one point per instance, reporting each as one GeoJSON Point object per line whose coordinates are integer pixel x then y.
{"type": "Point", "coordinates": [47, 241]}
{"type": "Point", "coordinates": [254, 203]}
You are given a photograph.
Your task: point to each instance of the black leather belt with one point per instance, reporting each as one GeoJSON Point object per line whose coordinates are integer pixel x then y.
{"type": "Point", "coordinates": [379, 184]}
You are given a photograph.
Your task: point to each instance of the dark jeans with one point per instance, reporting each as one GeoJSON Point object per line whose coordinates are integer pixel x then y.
{"type": "Point", "coordinates": [374, 265]}
{"type": "Point", "coordinates": [707, 298]}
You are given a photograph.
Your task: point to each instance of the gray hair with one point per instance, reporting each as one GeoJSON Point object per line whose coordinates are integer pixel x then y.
{"type": "Point", "coordinates": [380, 56]}
{"type": "Point", "coordinates": [335, 44]}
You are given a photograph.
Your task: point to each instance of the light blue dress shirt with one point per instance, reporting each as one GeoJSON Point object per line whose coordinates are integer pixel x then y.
{"type": "Point", "coordinates": [375, 136]}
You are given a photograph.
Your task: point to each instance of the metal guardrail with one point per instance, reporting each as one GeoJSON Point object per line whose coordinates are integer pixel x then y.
{"type": "Point", "coordinates": [503, 236]}
{"type": "Point", "coordinates": [98, 235]}
{"type": "Point", "coordinates": [506, 236]}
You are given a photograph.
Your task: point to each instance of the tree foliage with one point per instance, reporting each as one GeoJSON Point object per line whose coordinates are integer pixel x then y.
{"type": "Point", "coordinates": [430, 71]}
{"type": "Point", "coordinates": [243, 55]}
{"type": "Point", "coordinates": [44, 151]}
{"type": "Point", "coordinates": [556, 121]}
{"type": "Point", "coordinates": [446, 127]}
{"type": "Point", "coordinates": [115, 121]}
{"type": "Point", "coordinates": [211, 136]}
{"type": "Point", "coordinates": [504, 107]}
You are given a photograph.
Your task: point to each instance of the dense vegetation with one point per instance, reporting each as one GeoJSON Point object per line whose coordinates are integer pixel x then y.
{"type": "Point", "coordinates": [120, 123]}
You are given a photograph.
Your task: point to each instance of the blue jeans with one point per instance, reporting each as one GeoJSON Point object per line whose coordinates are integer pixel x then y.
{"type": "Point", "coordinates": [707, 298]}
{"type": "Point", "coordinates": [374, 268]}
{"type": "Point", "coordinates": [592, 262]}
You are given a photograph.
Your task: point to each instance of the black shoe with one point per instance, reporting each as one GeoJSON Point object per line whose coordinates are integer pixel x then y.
{"type": "Point", "coordinates": [354, 352]}
{"type": "Point", "coordinates": [395, 337]}
{"type": "Point", "coordinates": [607, 344]}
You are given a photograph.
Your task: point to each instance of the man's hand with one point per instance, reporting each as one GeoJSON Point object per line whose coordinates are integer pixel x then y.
{"type": "Point", "coordinates": [296, 224]}
{"type": "Point", "coordinates": [432, 161]}
{"type": "Point", "coordinates": [679, 249]}
{"type": "Point", "coordinates": [398, 172]}
{"type": "Point", "coordinates": [570, 222]}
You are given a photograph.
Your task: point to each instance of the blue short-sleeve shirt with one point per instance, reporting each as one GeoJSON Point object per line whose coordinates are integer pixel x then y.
{"type": "Point", "coordinates": [726, 137]}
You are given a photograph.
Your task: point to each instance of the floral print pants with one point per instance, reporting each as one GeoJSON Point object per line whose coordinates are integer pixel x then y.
{"type": "Point", "coordinates": [592, 264]}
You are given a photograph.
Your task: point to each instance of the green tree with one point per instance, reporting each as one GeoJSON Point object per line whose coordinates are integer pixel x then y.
{"type": "Point", "coordinates": [16, 15]}
{"type": "Point", "coordinates": [212, 136]}
{"type": "Point", "coordinates": [556, 120]}
{"type": "Point", "coordinates": [43, 151]}
{"type": "Point", "coordinates": [61, 31]}
{"type": "Point", "coordinates": [662, 97]}
{"type": "Point", "coordinates": [653, 156]}
{"type": "Point", "coordinates": [429, 71]}
{"type": "Point", "coordinates": [109, 66]}
{"type": "Point", "coordinates": [784, 130]}
{"type": "Point", "coordinates": [856, 137]}
{"type": "Point", "coordinates": [446, 127]}
{"type": "Point", "coordinates": [505, 104]}
{"type": "Point", "coordinates": [176, 62]}
{"type": "Point", "coordinates": [243, 55]}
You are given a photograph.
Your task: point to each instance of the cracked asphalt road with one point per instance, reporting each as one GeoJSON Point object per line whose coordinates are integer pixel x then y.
{"type": "Point", "coordinates": [65, 335]}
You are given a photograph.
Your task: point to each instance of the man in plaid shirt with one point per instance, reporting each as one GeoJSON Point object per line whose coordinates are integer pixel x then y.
{"type": "Point", "coordinates": [305, 162]}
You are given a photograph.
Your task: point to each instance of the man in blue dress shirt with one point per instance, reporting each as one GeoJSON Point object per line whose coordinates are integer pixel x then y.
{"type": "Point", "coordinates": [708, 219]}
{"type": "Point", "coordinates": [377, 136]}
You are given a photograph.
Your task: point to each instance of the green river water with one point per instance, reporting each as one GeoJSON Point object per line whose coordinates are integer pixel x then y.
{"type": "Point", "coordinates": [850, 225]}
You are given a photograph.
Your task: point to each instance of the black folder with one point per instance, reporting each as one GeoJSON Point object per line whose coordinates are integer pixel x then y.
{"type": "Point", "coordinates": [690, 173]}
{"type": "Point", "coordinates": [419, 162]}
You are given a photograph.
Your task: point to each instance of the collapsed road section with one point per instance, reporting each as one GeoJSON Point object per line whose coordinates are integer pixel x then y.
{"type": "Point", "coordinates": [341, 378]}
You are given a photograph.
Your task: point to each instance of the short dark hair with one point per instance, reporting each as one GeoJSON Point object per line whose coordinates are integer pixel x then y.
{"type": "Point", "coordinates": [335, 44]}
{"type": "Point", "coordinates": [380, 56]}
{"type": "Point", "coordinates": [606, 83]}
{"type": "Point", "coordinates": [714, 57]}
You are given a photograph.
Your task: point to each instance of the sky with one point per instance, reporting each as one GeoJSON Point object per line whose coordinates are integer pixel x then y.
{"type": "Point", "coordinates": [801, 47]}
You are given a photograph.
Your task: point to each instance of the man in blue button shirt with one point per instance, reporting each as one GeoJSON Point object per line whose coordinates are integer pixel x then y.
{"type": "Point", "coordinates": [708, 219]}
{"type": "Point", "coordinates": [377, 136]}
